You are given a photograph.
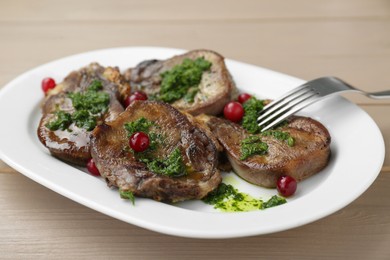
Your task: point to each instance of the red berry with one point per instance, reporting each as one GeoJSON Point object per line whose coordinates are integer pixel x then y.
{"type": "Point", "coordinates": [286, 186]}
{"type": "Point", "coordinates": [91, 167]}
{"type": "Point", "coordinates": [47, 84]}
{"type": "Point", "coordinates": [138, 95]}
{"type": "Point", "coordinates": [242, 98]}
{"type": "Point", "coordinates": [233, 111]}
{"type": "Point", "coordinates": [139, 141]}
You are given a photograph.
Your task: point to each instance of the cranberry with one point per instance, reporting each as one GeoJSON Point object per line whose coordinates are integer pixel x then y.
{"type": "Point", "coordinates": [233, 111]}
{"type": "Point", "coordinates": [91, 167]}
{"type": "Point", "coordinates": [47, 84]}
{"type": "Point", "coordinates": [242, 98]}
{"type": "Point", "coordinates": [139, 141]}
{"type": "Point", "coordinates": [286, 185]}
{"type": "Point", "coordinates": [138, 95]}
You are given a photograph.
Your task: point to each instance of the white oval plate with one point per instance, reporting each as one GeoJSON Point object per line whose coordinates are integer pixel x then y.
{"type": "Point", "coordinates": [347, 176]}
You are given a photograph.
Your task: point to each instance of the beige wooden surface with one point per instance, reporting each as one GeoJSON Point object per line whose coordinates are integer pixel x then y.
{"type": "Point", "coordinates": [306, 39]}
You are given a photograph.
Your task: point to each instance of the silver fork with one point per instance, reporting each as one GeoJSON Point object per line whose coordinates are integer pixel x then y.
{"type": "Point", "coordinates": [304, 95]}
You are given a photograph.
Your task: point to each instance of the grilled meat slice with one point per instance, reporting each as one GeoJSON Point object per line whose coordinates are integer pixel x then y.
{"type": "Point", "coordinates": [309, 154]}
{"type": "Point", "coordinates": [121, 167]}
{"type": "Point", "coordinates": [201, 121]}
{"type": "Point", "coordinates": [73, 144]}
{"type": "Point", "coordinates": [215, 89]}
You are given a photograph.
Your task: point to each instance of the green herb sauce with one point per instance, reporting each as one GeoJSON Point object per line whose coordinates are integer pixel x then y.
{"type": "Point", "coordinates": [182, 80]}
{"type": "Point", "coordinates": [274, 201]}
{"type": "Point", "coordinates": [173, 165]}
{"type": "Point", "coordinates": [228, 199]}
{"type": "Point", "coordinates": [89, 106]}
{"type": "Point", "coordinates": [127, 195]}
{"type": "Point", "coordinates": [252, 108]}
{"type": "Point", "coordinates": [92, 100]}
{"type": "Point", "coordinates": [191, 93]}
{"type": "Point", "coordinates": [252, 145]}
{"type": "Point", "coordinates": [63, 121]}
{"type": "Point", "coordinates": [83, 119]}
{"type": "Point", "coordinates": [140, 125]}
{"type": "Point", "coordinates": [144, 125]}
{"type": "Point", "coordinates": [283, 136]}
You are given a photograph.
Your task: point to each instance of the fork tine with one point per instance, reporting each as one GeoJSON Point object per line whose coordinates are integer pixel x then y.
{"type": "Point", "coordinates": [288, 113]}
{"type": "Point", "coordinates": [286, 95]}
{"type": "Point", "coordinates": [288, 106]}
{"type": "Point", "coordinates": [280, 103]}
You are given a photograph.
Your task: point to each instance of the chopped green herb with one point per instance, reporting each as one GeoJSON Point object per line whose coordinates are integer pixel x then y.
{"type": "Point", "coordinates": [62, 121]}
{"type": "Point", "coordinates": [227, 198]}
{"type": "Point", "coordinates": [155, 140]}
{"type": "Point", "coordinates": [96, 85]}
{"type": "Point", "coordinates": [290, 141]}
{"type": "Point", "coordinates": [190, 96]}
{"type": "Point", "coordinates": [280, 135]}
{"type": "Point", "coordinates": [219, 194]}
{"type": "Point", "coordinates": [83, 119]}
{"type": "Point", "coordinates": [252, 108]}
{"type": "Point", "coordinates": [172, 166]}
{"type": "Point", "coordinates": [274, 201]}
{"type": "Point", "coordinates": [252, 145]}
{"type": "Point", "coordinates": [92, 101]}
{"type": "Point", "coordinates": [143, 125]}
{"type": "Point", "coordinates": [140, 125]}
{"type": "Point", "coordinates": [177, 81]}
{"type": "Point", "coordinates": [127, 195]}
{"type": "Point", "coordinates": [89, 106]}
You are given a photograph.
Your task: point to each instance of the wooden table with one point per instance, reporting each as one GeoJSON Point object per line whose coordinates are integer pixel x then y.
{"type": "Point", "coordinates": [346, 38]}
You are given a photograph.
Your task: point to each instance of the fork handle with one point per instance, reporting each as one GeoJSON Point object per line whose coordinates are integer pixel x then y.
{"type": "Point", "coordinates": [380, 94]}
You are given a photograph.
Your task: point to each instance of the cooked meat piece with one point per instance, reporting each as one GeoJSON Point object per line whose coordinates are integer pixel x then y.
{"type": "Point", "coordinates": [309, 154]}
{"type": "Point", "coordinates": [201, 122]}
{"type": "Point", "coordinates": [73, 143]}
{"type": "Point", "coordinates": [215, 89]}
{"type": "Point", "coordinates": [124, 168]}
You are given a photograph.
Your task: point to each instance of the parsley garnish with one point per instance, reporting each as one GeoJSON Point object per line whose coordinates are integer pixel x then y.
{"type": "Point", "coordinates": [62, 121]}
{"type": "Point", "coordinates": [252, 108]}
{"type": "Point", "coordinates": [140, 125]}
{"type": "Point", "coordinates": [252, 145]}
{"type": "Point", "coordinates": [274, 201]}
{"type": "Point", "coordinates": [89, 106]}
{"type": "Point", "coordinates": [172, 165]}
{"type": "Point", "coordinates": [177, 82]}
{"type": "Point", "coordinates": [227, 198]}
{"type": "Point", "coordinates": [283, 136]}
{"type": "Point", "coordinates": [127, 195]}
{"type": "Point", "coordinates": [92, 101]}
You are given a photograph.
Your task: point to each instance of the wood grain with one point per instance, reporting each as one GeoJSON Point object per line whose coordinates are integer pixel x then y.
{"type": "Point", "coordinates": [44, 222]}
{"type": "Point", "coordinates": [222, 10]}
{"type": "Point", "coordinates": [298, 48]}
{"type": "Point", "coordinates": [307, 39]}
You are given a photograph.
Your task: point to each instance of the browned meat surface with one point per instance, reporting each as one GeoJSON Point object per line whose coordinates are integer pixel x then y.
{"type": "Point", "coordinates": [309, 155]}
{"type": "Point", "coordinates": [120, 167]}
{"type": "Point", "coordinates": [73, 144]}
{"type": "Point", "coordinates": [215, 89]}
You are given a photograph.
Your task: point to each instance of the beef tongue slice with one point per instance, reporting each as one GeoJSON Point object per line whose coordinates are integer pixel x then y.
{"type": "Point", "coordinates": [73, 144]}
{"type": "Point", "coordinates": [215, 89]}
{"type": "Point", "coordinates": [122, 167]}
{"type": "Point", "coordinates": [309, 154]}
